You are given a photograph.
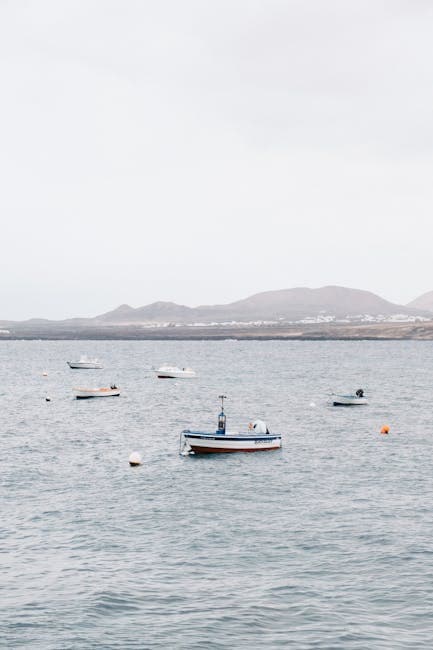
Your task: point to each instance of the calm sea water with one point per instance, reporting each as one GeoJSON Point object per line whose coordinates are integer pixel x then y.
{"type": "Point", "coordinates": [327, 543]}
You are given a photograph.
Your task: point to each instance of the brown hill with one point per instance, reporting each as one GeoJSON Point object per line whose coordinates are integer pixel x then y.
{"type": "Point", "coordinates": [424, 302]}
{"type": "Point", "coordinates": [301, 302]}
{"type": "Point", "coordinates": [156, 312]}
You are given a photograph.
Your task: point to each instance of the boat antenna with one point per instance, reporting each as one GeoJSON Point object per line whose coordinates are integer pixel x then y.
{"type": "Point", "coordinates": [222, 398]}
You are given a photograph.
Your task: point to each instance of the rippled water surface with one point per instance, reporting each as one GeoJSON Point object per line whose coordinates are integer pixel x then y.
{"type": "Point", "coordinates": [324, 544]}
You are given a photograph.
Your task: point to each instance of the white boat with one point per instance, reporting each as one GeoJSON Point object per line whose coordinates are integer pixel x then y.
{"type": "Point", "coordinates": [221, 441]}
{"type": "Point", "coordinates": [173, 372]}
{"type": "Point", "coordinates": [357, 399]}
{"type": "Point", "coordinates": [85, 393]}
{"type": "Point", "coordinates": [85, 363]}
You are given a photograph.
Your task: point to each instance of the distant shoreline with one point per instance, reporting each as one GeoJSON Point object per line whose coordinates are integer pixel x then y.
{"type": "Point", "coordinates": [220, 340]}
{"type": "Point", "coordinates": [311, 332]}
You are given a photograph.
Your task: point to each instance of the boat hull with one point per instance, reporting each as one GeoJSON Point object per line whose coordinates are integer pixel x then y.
{"type": "Point", "coordinates": [348, 400]}
{"type": "Point", "coordinates": [166, 374]}
{"type": "Point", "coordinates": [83, 365]}
{"type": "Point", "coordinates": [208, 443]}
{"type": "Point", "coordinates": [87, 393]}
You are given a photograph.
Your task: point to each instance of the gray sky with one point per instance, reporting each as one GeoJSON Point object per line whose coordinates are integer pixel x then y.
{"type": "Point", "coordinates": [201, 151]}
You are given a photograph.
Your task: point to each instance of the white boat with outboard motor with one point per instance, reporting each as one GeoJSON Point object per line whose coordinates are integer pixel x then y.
{"type": "Point", "coordinates": [358, 399]}
{"type": "Point", "coordinates": [86, 393]}
{"type": "Point", "coordinates": [173, 372]}
{"type": "Point", "coordinates": [258, 438]}
{"type": "Point", "coordinates": [85, 363]}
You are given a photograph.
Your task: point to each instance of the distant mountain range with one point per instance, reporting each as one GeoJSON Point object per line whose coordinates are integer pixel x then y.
{"type": "Point", "coordinates": [300, 304]}
{"type": "Point", "coordinates": [286, 305]}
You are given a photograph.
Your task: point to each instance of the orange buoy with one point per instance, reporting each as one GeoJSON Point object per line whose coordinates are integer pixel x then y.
{"type": "Point", "coordinates": [385, 429]}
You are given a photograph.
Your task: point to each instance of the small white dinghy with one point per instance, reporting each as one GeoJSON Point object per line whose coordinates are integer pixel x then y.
{"type": "Point", "coordinates": [357, 399]}
{"type": "Point", "coordinates": [85, 363]}
{"type": "Point", "coordinates": [173, 372]}
{"type": "Point", "coordinates": [220, 441]}
{"type": "Point", "coordinates": [85, 393]}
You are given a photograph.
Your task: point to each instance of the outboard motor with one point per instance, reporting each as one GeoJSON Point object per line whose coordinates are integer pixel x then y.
{"type": "Point", "coordinates": [359, 393]}
{"type": "Point", "coordinates": [260, 427]}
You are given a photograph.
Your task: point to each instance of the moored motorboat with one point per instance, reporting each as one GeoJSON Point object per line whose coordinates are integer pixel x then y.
{"type": "Point", "coordinates": [85, 363]}
{"type": "Point", "coordinates": [221, 441]}
{"type": "Point", "coordinates": [85, 393]}
{"type": "Point", "coordinates": [358, 399]}
{"type": "Point", "coordinates": [173, 372]}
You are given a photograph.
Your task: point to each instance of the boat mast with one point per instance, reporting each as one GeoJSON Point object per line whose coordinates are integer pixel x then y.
{"type": "Point", "coordinates": [222, 418]}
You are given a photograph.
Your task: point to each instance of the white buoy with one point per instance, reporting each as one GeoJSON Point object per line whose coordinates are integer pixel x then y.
{"type": "Point", "coordinates": [135, 459]}
{"type": "Point", "coordinates": [48, 399]}
{"type": "Point", "coordinates": [312, 404]}
{"type": "Point", "coordinates": [45, 374]}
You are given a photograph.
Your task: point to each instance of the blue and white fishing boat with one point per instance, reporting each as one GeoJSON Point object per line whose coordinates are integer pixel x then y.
{"type": "Point", "coordinates": [221, 441]}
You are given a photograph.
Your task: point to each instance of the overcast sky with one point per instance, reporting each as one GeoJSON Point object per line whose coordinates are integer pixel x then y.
{"type": "Point", "coordinates": [202, 151]}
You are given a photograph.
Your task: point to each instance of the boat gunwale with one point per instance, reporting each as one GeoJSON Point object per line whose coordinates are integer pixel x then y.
{"type": "Point", "coordinates": [199, 435]}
